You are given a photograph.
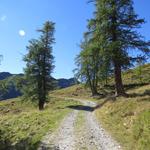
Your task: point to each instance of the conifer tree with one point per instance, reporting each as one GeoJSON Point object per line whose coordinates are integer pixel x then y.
{"type": "Point", "coordinates": [86, 70]}
{"type": "Point", "coordinates": [89, 62]}
{"type": "Point", "coordinates": [40, 65]}
{"type": "Point", "coordinates": [114, 27]}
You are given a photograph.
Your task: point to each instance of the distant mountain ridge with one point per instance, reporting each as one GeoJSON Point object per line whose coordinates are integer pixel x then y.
{"type": "Point", "coordinates": [63, 83]}
{"type": "Point", "coordinates": [4, 75]}
{"type": "Point", "coordinates": [9, 80]}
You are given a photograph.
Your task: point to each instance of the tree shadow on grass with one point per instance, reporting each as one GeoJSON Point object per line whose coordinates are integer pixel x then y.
{"type": "Point", "coordinates": [24, 144]}
{"type": "Point", "coordinates": [127, 87]}
{"type": "Point", "coordinates": [133, 86]}
{"type": "Point", "coordinates": [110, 89]}
{"type": "Point", "coordinates": [145, 93]}
{"type": "Point", "coordinates": [45, 146]}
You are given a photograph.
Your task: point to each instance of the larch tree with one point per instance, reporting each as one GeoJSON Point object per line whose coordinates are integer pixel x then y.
{"type": "Point", "coordinates": [89, 63]}
{"type": "Point", "coordinates": [115, 26]}
{"type": "Point", "coordinates": [39, 65]}
{"type": "Point", "coordinates": [87, 70]}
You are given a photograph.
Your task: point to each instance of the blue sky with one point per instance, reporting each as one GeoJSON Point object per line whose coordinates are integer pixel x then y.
{"type": "Point", "coordinates": [70, 17]}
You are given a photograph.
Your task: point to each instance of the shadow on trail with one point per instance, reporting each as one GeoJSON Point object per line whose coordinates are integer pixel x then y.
{"type": "Point", "coordinates": [87, 108]}
{"type": "Point", "coordinates": [24, 144]}
{"type": "Point", "coordinates": [81, 107]}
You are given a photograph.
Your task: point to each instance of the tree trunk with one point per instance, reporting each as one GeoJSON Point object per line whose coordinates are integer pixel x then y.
{"type": "Point", "coordinates": [106, 79]}
{"type": "Point", "coordinates": [41, 105]}
{"type": "Point", "coordinates": [118, 80]}
{"type": "Point", "coordinates": [94, 91]}
{"type": "Point", "coordinates": [117, 67]}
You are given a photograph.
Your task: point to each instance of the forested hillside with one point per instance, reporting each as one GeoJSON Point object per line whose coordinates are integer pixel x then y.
{"type": "Point", "coordinates": [11, 85]}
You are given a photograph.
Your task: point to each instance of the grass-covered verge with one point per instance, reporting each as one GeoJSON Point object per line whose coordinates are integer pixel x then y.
{"type": "Point", "coordinates": [73, 91]}
{"type": "Point", "coordinates": [79, 121]}
{"type": "Point", "coordinates": [128, 119]}
{"type": "Point", "coordinates": [80, 131]}
{"type": "Point", "coordinates": [22, 125]}
{"type": "Point", "coordinates": [76, 91]}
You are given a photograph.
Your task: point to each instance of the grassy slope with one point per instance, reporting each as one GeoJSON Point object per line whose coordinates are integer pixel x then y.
{"type": "Point", "coordinates": [131, 76]}
{"type": "Point", "coordinates": [22, 125]}
{"type": "Point", "coordinates": [130, 79]}
{"type": "Point", "coordinates": [127, 119]}
{"type": "Point", "coordinates": [76, 91]}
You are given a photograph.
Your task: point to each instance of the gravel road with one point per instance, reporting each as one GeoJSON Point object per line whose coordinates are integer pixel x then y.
{"type": "Point", "coordinates": [89, 136]}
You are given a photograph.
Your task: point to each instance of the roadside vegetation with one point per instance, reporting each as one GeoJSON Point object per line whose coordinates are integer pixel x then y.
{"type": "Point", "coordinates": [22, 125]}
{"type": "Point", "coordinates": [127, 119]}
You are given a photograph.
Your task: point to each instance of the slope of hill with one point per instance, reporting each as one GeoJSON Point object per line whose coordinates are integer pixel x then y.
{"type": "Point", "coordinates": [9, 89]}
{"type": "Point", "coordinates": [133, 76]}
{"type": "Point", "coordinates": [130, 79]}
{"type": "Point", "coordinates": [4, 75]}
{"type": "Point", "coordinates": [8, 86]}
{"type": "Point", "coordinates": [63, 83]}
{"type": "Point", "coordinates": [126, 119]}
